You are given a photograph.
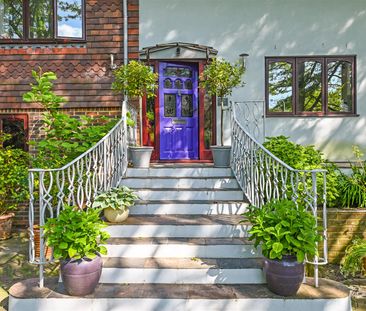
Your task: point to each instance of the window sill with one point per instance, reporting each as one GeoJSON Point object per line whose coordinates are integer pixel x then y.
{"type": "Point", "coordinates": [39, 42]}
{"type": "Point", "coordinates": [312, 115]}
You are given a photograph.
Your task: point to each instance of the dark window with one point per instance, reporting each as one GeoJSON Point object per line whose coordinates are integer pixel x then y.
{"type": "Point", "coordinates": [170, 105]}
{"type": "Point", "coordinates": [16, 126]}
{"type": "Point", "coordinates": [187, 105]}
{"type": "Point", "coordinates": [311, 85]}
{"type": "Point", "coordinates": [41, 20]}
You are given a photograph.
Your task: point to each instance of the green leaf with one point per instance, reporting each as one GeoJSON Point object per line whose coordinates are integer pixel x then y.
{"type": "Point", "coordinates": [277, 247]}
{"type": "Point", "coordinates": [63, 245]}
{"type": "Point", "coordinates": [72, 252]}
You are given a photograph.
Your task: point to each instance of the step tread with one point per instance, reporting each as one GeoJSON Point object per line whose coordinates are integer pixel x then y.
{"type": "Point", "coordinates": [183, 263]}
{"type": "Point", "coordinates": [140, 202]}
{"type": "Point", "coordinates": [188, 189]}
{"type": "Point", "coordinates": [181, 220]}
{"type": "Point", "coordinates": [175, 241]}
{"type": "Point", "coordinates": [328, 290]}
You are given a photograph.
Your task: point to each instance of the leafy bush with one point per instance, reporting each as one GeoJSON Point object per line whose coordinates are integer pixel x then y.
{"type": "Point", "coordinates": [353, 261]}
{"type": "Point", "coordinates": [282, 228]}
{"type": "Point", "coordinates": [13, 176]}
{"type": "Point", "coordinates": [353, 187]}
{"type": "Point", "coordinates": [306, 158]}
{"type": "Point", "coordinates": [76, 234]}
{"type": "Point", "coordinates": [116, 198]}
{"type": "Point", "coordinates": [66, 137]}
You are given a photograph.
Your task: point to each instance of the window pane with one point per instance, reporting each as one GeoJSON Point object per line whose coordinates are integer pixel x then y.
{"type": "Point", "coordinates": [41, 15]}
{"type": "Point", "coordinates": [170, 106]}
{"type": "Point", "coordinates": [168, 84]}
{"type": "Point", "coordinates": [16, 129]}
{"type": "Point", "coordinates": [310, 86]}
{"type": "Point", "coordinates": [340, 86]}
{"type": "Point", "coordinates": [178, 84]}
{"type": "Point", "coordinates": [11, 19]}
{"type": "Point", "coordinates": [280, 87]}
{"type": "Point", "coordinates": [69, 18]}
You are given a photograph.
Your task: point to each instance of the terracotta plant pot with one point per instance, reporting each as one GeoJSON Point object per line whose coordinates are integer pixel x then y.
{"type": "Point", "coordinates": [37, 250]}
{"type": "Point", "coordinates": [285, 276]}
{"type": "Point", "coordinates": [116, 215]}
{"type": "Point", "coordinates": [81, 277]}
{"type": "Point", "coordinates": [6, 222]}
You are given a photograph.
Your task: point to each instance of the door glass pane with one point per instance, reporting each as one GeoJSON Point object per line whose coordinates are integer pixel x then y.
{"type": "Point", "coordinates": [168, 84]}
{"type": "Point", "coordinates": [187, 105]}
{"type": "Point", "coordinates": [188, 84]}
{"type": "Point", "coordinates": [11, 19]}
{"type": "Point", "coordinates": [170, 105]}
{"type": "Point", "coordinates": [280, 90]}
{"type": "Point", "coordinates": [170, 71]}
{"type": "Point", "coordinates": [310, 86]}
{"type": "Point", "coordinates": [178, 84]}
{"type": "Point", "coordinates": [69, 18]}
{"type": "Point", "coordinates": [41, 16]}
{"type": "Point", "coordinates": [184, 72]}
{"type": "Point", "coordinates": [340, 86]}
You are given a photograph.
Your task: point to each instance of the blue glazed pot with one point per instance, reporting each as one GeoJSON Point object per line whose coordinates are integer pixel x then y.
{"type": "Point", "coordinates": [81, 277]}
{"type": "Point", "coordinates": [284, 277]}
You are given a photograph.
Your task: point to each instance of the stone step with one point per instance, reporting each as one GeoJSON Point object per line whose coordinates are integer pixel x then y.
{"type": "Point", "coordinates": [181, 183]}
{"type": "Point", "coordinates": [330, 296]}
{"type": "Point", "coordinates": [183, 270]}
{"type": "Point", "coordinates": [187, 195]}
{"type": "Point", "coordinates": [192, 208]}
{"type": "Point", "coordinates": [181, 248]}
{"type": "Point", "coordinates": [179, 172]}
{"type": "Point", "coordinates": [180, 226]}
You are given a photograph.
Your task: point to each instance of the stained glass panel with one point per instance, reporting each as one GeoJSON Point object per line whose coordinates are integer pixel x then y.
{"type": "Point", "coordinates": [170, 105]}
{"type": "Point", "coordinates": [168, 84]}
{"type": "Point", "coordinates": [178, 84]}
{"type": "Point", "coordinates": [187, 105]}
{"type": "Point", "coordinates": [188, 84]}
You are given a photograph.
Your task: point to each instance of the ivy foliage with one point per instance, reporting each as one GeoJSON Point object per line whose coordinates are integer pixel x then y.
{"type": "Point", "coordinates": [117, 198]}
{"type": "Point", "coordinates": [13, 176]}
{"type": "Point", "coordinates": [353, 261]}
{"type": "Point", "coordinates": [135, 80]}
{"type": "Point", "coordinates": [76, 234]}
{"type": "Point", "coordinates": [306, 158]}
{"type": "Point", "coordinates": [66, 137]}
{"type": "Point", "coordinates": [282, 228]}
{"type": "Point", "coordinates": [353, 187]}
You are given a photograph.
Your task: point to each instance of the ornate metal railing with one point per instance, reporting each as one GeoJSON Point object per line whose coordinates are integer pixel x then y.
{"type": "Point", "coordinates": [264, 177]}
{"type": "Point", "coordinates": [77, 183]}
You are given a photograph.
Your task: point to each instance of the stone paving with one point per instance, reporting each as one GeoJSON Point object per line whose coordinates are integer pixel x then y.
{"type": "Point", "coordinates": [14, 265]}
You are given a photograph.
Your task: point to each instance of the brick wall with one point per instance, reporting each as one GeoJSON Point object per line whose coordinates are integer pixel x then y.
{"type": "Point", "coordinates": [83, 69]}
{"type": "Point", "coordinates": [343, 226]}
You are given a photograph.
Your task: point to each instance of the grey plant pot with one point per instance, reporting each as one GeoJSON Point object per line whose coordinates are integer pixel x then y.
{"type": "Point", "coordinates": [140, 156]}
{"type": "Point", "coordinates": [285, 276]}
{"type": "Point", "coordinates": [81, 277]}
{"type": "Point", "coordinates": [221, 155]}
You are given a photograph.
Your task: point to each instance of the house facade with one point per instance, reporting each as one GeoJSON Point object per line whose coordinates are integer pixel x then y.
{"type": "Point", "coordinates": [306, 62]}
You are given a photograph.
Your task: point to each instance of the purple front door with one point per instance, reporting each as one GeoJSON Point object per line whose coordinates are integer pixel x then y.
{"type": "Point", "coordinates": [178, 110]}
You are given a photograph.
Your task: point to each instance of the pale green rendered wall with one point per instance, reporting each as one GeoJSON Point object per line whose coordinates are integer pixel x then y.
{"type": "Point", "coordinates": [271, 28]}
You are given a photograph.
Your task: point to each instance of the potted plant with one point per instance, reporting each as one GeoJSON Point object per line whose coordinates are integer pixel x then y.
{"type": "Point", "coordinates": [116, 203]}
{"type": "Point", "coordinates": [136, 80]}
{"type": "Point", "coordinates": [354, 260]}
{"type": "Point", "coordinates": [76, 237]}
{"type": "Point", "coordinates": [286, 233]}
{"type": "Point", "coordinates": [13, 183]}
{"type": "Point", "coordinates": [219, 78]}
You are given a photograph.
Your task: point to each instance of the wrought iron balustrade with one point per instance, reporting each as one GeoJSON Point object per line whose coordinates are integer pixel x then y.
{"type": "Point", "coordinates": [264, 177]}
{"type": "Point", "coordinates": [77, 183]}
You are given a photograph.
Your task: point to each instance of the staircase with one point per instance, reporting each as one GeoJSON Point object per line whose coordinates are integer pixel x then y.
{"type": "Point", "coordinates": [182, 248]}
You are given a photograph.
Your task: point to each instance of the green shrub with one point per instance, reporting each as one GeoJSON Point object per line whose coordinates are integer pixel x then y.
{"type": "Point", "coordinates": [66, 137]}
{"type": "Point", "coordinates": [13, 176]}
{"type": "Point", "coordinates": [306, 158]}
{"type": "Point", "coordinates": [76, 234]}
{"type": "Point", "coordinates": [353, 261]}
{"type": "Point", "coordinates": [353, 187]}
{"type": "Point", "coordinates": [282, 228]}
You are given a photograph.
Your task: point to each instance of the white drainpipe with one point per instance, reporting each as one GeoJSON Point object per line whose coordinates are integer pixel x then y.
{"type": "Point", "coordinates": [125, 49]}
